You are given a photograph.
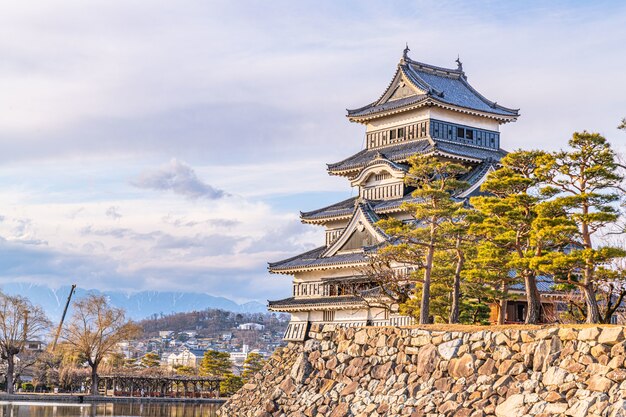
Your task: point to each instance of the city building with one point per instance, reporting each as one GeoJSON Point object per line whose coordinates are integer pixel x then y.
{"type": "Point", "coordinates": [425, 110]}
{"type": "Point", "coordinates": [251, 326]}
{"type": "Point", "coordinates": [184, 357]}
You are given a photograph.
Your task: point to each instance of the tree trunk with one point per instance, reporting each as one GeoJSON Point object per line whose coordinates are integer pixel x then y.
{"type": "Point", "coordinates": [456, 288]}
{"type": "Point", "coordinates": [94, 379]}
{"type": "Point", "coordinates": [10, 372]}
{"type": "Point", "coordinates": [425, 305]}
{"type": "Point", "coordinates": [533, 315]}
{"type": "Point", "coordinates": [502, 304]}
{"type": "Point", "coordinates": [593, 311]}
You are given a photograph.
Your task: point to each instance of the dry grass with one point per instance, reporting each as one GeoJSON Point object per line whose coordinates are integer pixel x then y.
{"type": "Point", "coordinates": [468, 328]}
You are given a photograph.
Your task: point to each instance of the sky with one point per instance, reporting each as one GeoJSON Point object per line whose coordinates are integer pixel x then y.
{"type": "Point", "coordinates": [169, 146]}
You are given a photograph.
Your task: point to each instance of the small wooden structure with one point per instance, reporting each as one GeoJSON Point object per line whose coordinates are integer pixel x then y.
{"type": "Point", "coordinates": [159, 386]}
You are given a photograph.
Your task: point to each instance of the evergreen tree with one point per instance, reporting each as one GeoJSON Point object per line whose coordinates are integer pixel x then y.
{"type": "Point", "coordinates": [433, 207]}
{"type": "Point", "coordinates": [230, 385]}
{"type": "Point", "coordinates": [254, 363]}
{"type": "Point", "coordinates": [186, 370]}
{"type": "Point", "coordinates": [488, 275]}
{"type": "Point", "coordinates": [460, 241]}
{"type": "Point", "coordinates": [587, 180]}
{"type": "Point", "coordinates": [509, 218]}
{"type": "Point", "coordinates": [151, 360]}
{"type": "Point", "coordinates": [623, 124]}
{"type": "Point", "coordinates": [215, 363]}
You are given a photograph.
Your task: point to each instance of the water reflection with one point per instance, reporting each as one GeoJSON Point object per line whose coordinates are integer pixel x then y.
{"type": "Point", "coordinates": [38, 409]}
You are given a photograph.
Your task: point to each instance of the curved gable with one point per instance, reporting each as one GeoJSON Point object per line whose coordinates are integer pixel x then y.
{"type": "Point", "coordinates": [361, 230]}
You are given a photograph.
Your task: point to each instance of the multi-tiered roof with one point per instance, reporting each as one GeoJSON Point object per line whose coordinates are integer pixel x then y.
{"type": "Point", "coordinates": [436, 112]}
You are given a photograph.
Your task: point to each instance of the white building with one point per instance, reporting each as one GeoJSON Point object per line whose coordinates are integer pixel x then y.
{"type": "Point", "coordinates": [184, 357]}
{"type": "Point", "coordinates": [251, 326]}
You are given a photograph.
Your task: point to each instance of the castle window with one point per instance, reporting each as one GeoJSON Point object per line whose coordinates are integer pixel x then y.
{"type": "Point", "coordinates": [460, 132]}
{"type": "Point", "coordinates": [469, 134]}
{"type": "Point", "coordinates": [392, 134]}
{"type": "Point", "coordinates": [329, 316]}
{"type": "Point", "coordinates": [400, 132]}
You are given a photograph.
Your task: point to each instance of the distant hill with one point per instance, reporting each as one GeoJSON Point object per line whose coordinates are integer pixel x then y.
{"type": "Point", "coordinates": [212, 322]}
{"type": "Point", "coordinates": [138, 305]}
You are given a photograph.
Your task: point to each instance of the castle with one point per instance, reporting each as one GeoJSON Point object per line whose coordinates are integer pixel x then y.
{"type": "Point", "coordinates": [425, 110]}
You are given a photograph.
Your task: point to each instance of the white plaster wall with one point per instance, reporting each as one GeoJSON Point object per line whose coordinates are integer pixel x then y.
{"type": "Point", "coordinates": [464, 119]}
{"type": "Point", "coordinates": [351, 315]}
{"type": "Point", "coordinates": [399, 119]}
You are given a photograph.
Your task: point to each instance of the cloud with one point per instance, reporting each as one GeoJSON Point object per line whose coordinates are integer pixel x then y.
{"type": "Point", "coordinates": [113, 212]}
{"type": "Point", "coordinates": [180, 178]}
{"type": "Point", "coordinates": [180, 222]}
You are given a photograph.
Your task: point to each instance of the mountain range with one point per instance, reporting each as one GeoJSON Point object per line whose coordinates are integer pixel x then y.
{"type": "Point", "coordinates": [138, 305]}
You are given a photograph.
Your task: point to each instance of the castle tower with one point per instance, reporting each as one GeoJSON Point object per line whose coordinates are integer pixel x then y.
{"type": "Point", "coordinates": [425, 110]}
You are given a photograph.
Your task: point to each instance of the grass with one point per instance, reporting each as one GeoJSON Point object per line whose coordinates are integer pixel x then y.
{"type": "Point", "coordinates": [467, 328]}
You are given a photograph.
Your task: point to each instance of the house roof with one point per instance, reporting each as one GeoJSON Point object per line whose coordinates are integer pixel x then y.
{"type": "Point", "coordinates": [394, 153]}
{"type": "Point", "coordinates": [403, 151]}
{"type": "Point", "coordinates": [345, 208]}
{"type": "Point", "coordinates": [317, 301]}
{"type": "Point", "coordinates": [434, 85]}
{"type": "Point", "coordinates": [314, 259]}
{"type": "Point", "coordinates": [545, 284]}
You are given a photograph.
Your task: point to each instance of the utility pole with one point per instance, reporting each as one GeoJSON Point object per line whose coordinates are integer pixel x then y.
{"type": "Point", "coordinates": [67, 304]}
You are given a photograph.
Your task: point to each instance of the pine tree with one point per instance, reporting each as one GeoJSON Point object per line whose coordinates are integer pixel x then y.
{"type": "Point", "coordinates": [415, 243]}
{"type": "Point", "coordinates": [254, 363]}
{"type": "Point", "coordinates": [488, 275]}
{"type": "Point", "coordinates": [509, 215]}
{"type": "Point", "coordinates": [215, 363]}
{"type": "Point", "coordinates": [151, 360]}
{"type": "Point", "coordinates": [230, 385]}
{"type": "Point", "coordinates": [588, 181]}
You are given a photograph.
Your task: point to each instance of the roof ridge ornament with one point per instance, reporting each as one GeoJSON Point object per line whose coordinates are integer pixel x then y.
{"type": "Point", "coordinates": [459, 64]}
{"type": "Point", "coordinates": [405, 53]}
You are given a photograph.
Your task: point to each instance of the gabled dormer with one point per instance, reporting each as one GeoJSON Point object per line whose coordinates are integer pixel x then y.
{"type": "Point", "coordinates": [381, 179]}
{"type": "Point", "coordinates": [361, 232]}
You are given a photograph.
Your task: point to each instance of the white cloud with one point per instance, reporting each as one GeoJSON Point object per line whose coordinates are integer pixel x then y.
{"type": "Point", "coordinates": [253, 97]}
{"type": "Point", "coordinates": [179, 178]}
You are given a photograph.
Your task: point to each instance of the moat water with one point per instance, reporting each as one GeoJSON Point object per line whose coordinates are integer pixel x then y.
{"type": "Point", "coordinates": [41, 409]}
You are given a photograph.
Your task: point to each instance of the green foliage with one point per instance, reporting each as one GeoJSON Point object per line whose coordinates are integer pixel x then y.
{"type": "Point", "coordinates": [215, 363]}
{"type": "Point", "coordinates": [433, 209]}
{"type": "Point", "coordinates": [186, 370]}
{"type": "Point", "coordinates": [586, 180]}
{"type": "Point", "coordinates": [151, 360]}
{"type": "Point", "coordinates": [254, 363]}
{"type": "Point", "coordinates": [474, 311]}
{"type": "Point", "coordinates": [28, 387]}
{"type": "Point", "coordinates": [511, 221]}
{"type": "Point", "coordinates": [230, 385]}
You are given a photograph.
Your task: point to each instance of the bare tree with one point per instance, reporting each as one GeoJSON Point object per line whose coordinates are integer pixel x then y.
{"type": "Point", "coordinates": [95, 329]}
{"type": "Point", "coordinates": [20, 321]}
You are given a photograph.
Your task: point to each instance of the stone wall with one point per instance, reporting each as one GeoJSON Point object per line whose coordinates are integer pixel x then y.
{"type": "Point", "coordinates": [415, 372]}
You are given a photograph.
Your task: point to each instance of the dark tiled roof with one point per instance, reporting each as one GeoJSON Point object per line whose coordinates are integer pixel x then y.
{"type": "Point", "coordinates": [469, 151]}
{"type": "Point", "coordinates": [443, 85]}
{"type": "Point", "coordinates": [545, 284]}
{"type": "Point", "coordinates": [394, 153]}
{"type": "Point", "coordinates": [477, 172]}
{"type": "Point", "coordinates": [402, 151]}
{"type": "Point", "coordinates": [313, 259]}
{"type": "Point", "coordinates": [297, 302]}
{"type": "Point", "coordinates": [344, 209]}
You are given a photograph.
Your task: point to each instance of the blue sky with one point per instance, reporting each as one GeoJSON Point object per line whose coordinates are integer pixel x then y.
{"type": "Point", "coordinates": [169, 145]}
